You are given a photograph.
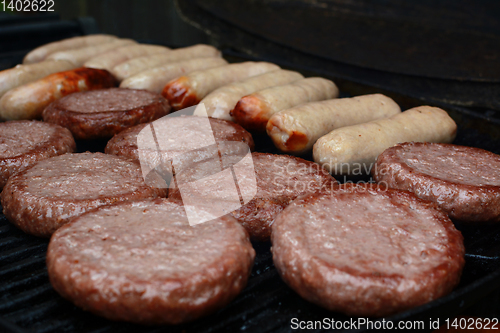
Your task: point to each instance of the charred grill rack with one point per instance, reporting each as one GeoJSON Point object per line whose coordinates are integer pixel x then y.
{"type": "Point", "coordinates": [29, 304]}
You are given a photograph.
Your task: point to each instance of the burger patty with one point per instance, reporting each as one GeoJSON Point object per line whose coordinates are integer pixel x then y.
{"type": "Point", "coordinates": [367, 251]}
{"type": "Point", "coordinates": [463, 181]}
{"type": "Point", "coordinates": [24, 142]}
{"type": "Point", "coordinates": [279, 180]}
{"type": "Point", "coordinates": [142, 262]}
{"type": "Point", "coordinates": [106, 112]}
{"type": "Point", "coordinates": [47, 195]}
{"type": "Point", "coordinates": [186, 127]}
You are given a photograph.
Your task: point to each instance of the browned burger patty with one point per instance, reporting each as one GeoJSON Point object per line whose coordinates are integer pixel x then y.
{"type": "Point", "coordinates": [125, 143]}
{"type": "Point", "coordinates": [365, 251]}
{"type": "Point", "coordinates": [106, 112]}
{"type": "Point", "coordinates": [42, 198]}
{"type": "Point", "coordinates": [279, 179]}
{"type": "Point", "coordinates": [463, 181]}
{"type": "Point", "coordinates": [24, 142]}
{"type": "Point", "coordinates": [142, 262]}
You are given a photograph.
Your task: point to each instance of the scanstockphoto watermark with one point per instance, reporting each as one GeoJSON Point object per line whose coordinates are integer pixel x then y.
{"type": "Point", "coordinates": [472, 324]}
{"type": "Point", "coordinates": [361, 323]}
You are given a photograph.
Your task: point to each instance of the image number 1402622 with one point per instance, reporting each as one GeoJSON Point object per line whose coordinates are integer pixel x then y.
{"type": "Point", "coordinates": [27, 5]}
{"type": "Point", "coordinates": [180, 152]}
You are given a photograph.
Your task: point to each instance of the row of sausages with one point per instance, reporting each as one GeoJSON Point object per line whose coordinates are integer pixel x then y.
{"type": "Point", "coordinates": [299, 114]}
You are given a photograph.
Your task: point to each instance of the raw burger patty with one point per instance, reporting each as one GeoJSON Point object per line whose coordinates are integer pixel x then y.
{"type": "Point", "coordinates": [280, 179]}
{"type": "Point", "coordinates": [24, 142]}
{"type": "Point", "coordinates": [367, 251]}
{"type": "Point", "coordinates": [106, 112]}
{"type": "Point", "coordinates": [42, 198]}
{"type": "Point", "coordinates": [142, 262]}
{"type": "Point", "coordinates": [463, 181]}
{"type": "Point", "coordinates": [125, 143]}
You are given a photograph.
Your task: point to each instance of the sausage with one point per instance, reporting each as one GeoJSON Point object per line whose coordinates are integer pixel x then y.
{"type": "Point", "coordinates": [354, 149]}
{"type": "Point", "coordinates": [253, 111]}
{"type": "Point", "coordinates": [79, 56]}
{"type": "Point", "coordinates": [153, 267]}
{"type": "Point", "coordinates": [29, 100]}
{"type": "Point", "coordinates": [189, 90]}
{"type": "Point", "coordinates": [140, 64]}
{"type": "Point", "coordinates": [105, 112]}
{"type": "Point", "coordinates": [41, 52]}
{"type": "Point", "coordinates": [155, 79]}
{"type": "Point", "coordinates": [23, 143]}
{"type": "Point", "coordinates": [110, 59]}
{"type": "Point", "coordinates": [41, 199]}
{"type": "Point", "coordinates": [462, 181]}
{"type": "Point", "coordinates": [296, 130]}
{"type": "Point", "coordinates": [21, 74]}
{"type": "Point", "coordinates": [221, 101]}
{"type": "Point", "coordinates": [367, 251]}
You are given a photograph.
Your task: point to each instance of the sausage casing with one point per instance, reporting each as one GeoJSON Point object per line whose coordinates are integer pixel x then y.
{"type": "Point", "coordinates": [156, 78]}
{"type": "Point", "coordinates": [254, 110]}
{"type": "Point", "coordinates": [41, 52]}
{"type": "Point", "coordinates": [220, 102]}
{"type": "Point", "coordinates": [354, 149]}
{"type": "Point", "coordinates": [79, 56]}
{"type": "Point", "coordinates": [190, 89]}
{"type": "Point", "coordinates": [22, 74]}
{"type": "Point", "coordinates": [110, 59]}
{"type": "Point", "coordinates": [140, 64]}
{"type": "Point", "coordinates": [29, 100]}
{"type": "Point", "coordinates": [296, 130]}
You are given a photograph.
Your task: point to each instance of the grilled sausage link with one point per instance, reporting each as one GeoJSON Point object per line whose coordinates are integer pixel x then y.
{"type": "Point", "coordinates": [156, 78]}
{"type": "Point", "coordinates": [22, 74]}
{"type": "Point", "coordinates": [81, 55]}
{"type": "Point", "coordinates": [110, 59]}
{"type": "Point", "coordinates": [296, 130]}
{"type": "Point", "coordinates": [29, 100]}
{"type": "Point", "coordinates": [220, 102]}
{"type": "Point", "coordinates": [352, 149]}
{"type": "Point", "coordinates": [191, 89]}
{"type": "Point", "coordinates": [140, 64]}
{"type": "Point", "coordinates": [41, 52]}
{"type": "Point", "coordinates": [254, 110]}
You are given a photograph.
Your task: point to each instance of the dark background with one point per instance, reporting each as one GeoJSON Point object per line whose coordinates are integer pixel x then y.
{"type": "Point", "coordinates": [143, 20]}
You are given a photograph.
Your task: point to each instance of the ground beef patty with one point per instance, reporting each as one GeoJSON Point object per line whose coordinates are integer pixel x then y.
{"type": "Point", "coordinates": [463, 181]}
{"type": "Point", "coordinates": [279, 179]}
{"type": "Point", "coordinates": [42, 198]}
{"type": "Point", "coordinates": [106, 112]}
{"type": "Point", "coordinates": [25, 142]}
{"type": "Point", "coordinates": [365, 251]}
{"type": "Point", "coordinates": [125, 143]}
{"type": "Point", "coordinates": [142, 262]}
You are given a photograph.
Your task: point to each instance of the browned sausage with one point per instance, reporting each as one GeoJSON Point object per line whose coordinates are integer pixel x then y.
{"type": "Point", "coordinates": [29, 100]}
